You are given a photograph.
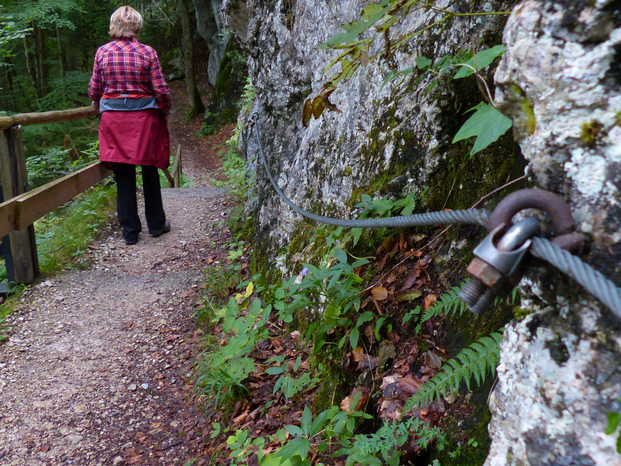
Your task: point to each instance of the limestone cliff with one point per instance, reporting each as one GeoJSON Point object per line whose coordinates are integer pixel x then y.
{"type": "Point", "coordinates": [559, 373]}
{"type": "Point", "coordinates": [392, 139]}
{"type": "Point", "coordinates": [559, 81]}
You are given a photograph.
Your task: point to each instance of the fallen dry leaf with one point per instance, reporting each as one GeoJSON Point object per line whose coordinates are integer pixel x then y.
{"type": "Point", "coordinates": [358, 354]}
{"type": "Point", "coordinates": [411, 278]}
{"type": "Point", "coordinates": [430, 300]}
{"type": "Point", "coordinates": [368, 363]}
{"type": "Point", "coordinates": [409, 384]}
{"type": "Point", "coordinates": [379, 293]}
{"type": "Point", "coordinates": [241, 418]}
{"type": "Point", "coordinates": [432, 359]}
{"type": "Point", "coordinates": [364, 394]}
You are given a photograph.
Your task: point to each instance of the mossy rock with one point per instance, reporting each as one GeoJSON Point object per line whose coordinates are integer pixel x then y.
{"type": "Point", "coordinates": [224, 103]}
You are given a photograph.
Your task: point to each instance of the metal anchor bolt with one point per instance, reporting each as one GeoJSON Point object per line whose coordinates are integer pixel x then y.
{"type": "Point", "coordinates": [497, 259]}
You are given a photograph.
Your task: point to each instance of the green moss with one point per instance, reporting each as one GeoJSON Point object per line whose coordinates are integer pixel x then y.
{"type": "Point", "coordinates": [590, 132]}
{"type": "Point", "coordinates": [226, 99]}
{"type": "Point", "coordinates": [335, 385]}
{"type": "Point", "coordinates": [520, 313]}
{"type": "Point", "coordinates": [558, 350]}
{"type": "Point", "coordinates": [527, 119]}
{"type": "Point", "coordinates": [527, 109]}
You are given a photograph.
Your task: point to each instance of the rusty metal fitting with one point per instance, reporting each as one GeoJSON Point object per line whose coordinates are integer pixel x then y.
{"type": "Point", "coordinates": [496, 261]}
{"type": "Point", "coordinates": [547, 201]}
{"type": "Point", "coordinates": [486, 273]}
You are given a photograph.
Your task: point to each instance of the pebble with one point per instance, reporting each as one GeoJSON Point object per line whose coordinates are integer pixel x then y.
{"type": "Point", "coordinates": [145, 386]}
{"type": "Point", "coordinates": [132, 387]}
{"type": "Point", "coordinates": [74, 438]}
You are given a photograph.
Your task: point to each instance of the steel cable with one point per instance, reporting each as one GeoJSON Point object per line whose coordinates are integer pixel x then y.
{"type": "Point", "coordinates": [468, 216]}
{"type": "Point", "coordinates": [592, 280]}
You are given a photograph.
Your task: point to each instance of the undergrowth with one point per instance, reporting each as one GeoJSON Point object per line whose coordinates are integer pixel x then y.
{"type": "Point", "coordinates": [63, 235]}
{"type": "Point", "coordinates": [324, 305]}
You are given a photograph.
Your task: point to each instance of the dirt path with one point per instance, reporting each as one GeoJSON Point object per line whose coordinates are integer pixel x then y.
{"type": "Point", "coordinates": [96, 368]}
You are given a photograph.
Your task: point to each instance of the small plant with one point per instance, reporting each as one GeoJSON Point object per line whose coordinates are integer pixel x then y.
{"type": "Point", "coordinates": [224, 366]}
{"type": "Point", "coordinates": [241, 445]}
{"type": "Point", "coordinates": [331, 291]}
{"type": "Point", "coordinates": [64, 233]}
{"type": "Point", "coordinates": [473, 361]}
{"type": "Point", "coordinates": [288, 383]}
{"type": "Point", "coordinates": [314, 435]}
{"type": "Point", "coordinates": [448, 303]}
{"type": "Point", "coordinates": [383, 446]}
{"type": "Point", "coordinates": [613, 423]}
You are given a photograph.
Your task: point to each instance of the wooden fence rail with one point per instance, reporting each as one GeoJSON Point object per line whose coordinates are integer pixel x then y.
{"type": "Point", "coordinates": [25, 119]}
{"type": "Point", "coordinates": [22, 207]}
{"type": "Point", "coordinates": [19, 207]}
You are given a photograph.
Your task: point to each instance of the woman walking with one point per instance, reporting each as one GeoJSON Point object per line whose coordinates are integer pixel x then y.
{"type": "Point", "coordinates": [134, 99]}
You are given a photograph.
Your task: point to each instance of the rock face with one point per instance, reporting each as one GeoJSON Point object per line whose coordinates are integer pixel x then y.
{"type": "Point", "coordinates": [210, 28]}
{"type": "Point", "coordinates": [560, 81]}
{"type": "Point", "coordinates": [387, 140]}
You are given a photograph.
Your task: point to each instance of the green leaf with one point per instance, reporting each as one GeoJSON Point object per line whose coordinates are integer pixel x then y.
{"type": "Point", "coordinates": [281, 435]}
{"type": "Point", "coordinates": [487, 124]}
{"type": "Point", "coordinates": [273, 460]}
{"type": "Point", "coordinates": [296, 447]}
{"type": "Point", "coordinates": [613, 422]}
{"type": "Point", "coordinates": [480, 61]}
{"type": "Point", "coordinates": [364, 318]}
{"type": "Point", "coordinates": [295, 431]}
{"type": "Point", "coordinates": [216, 429]}
{"type": "Point", "coordinates": [354, 336]}
{"type": "Point", "coordinates": [372, 13]}
{"type": "Point", "coordinates": [423, 62]}
{"type": "Point", "coordinates": [307, 419]}
{"type": "Point", "coordinates": [320, 421]}
{"type": "Point", "coordinates": [274, 370]}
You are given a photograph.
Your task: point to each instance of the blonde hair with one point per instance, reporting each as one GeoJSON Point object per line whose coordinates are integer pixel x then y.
{"type": "Point", "coordinates": [125, 23]}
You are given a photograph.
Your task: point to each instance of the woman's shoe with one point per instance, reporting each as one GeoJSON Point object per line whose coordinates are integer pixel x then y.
{"type": "Point", "coordinates": [165, 229]}
{"type": "Point", "coordinates": [131, 241]}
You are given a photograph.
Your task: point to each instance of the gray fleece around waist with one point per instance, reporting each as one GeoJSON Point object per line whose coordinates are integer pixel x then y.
{"type": "Point", "coordinates": [123, 104]}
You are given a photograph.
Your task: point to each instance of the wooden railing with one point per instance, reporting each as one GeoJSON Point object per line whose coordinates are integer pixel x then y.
{"type": "Point", "coordinates": [22, 207]}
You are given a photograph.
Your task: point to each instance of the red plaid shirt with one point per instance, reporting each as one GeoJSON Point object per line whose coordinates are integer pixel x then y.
{"type": "Point", "coordinates": [128, 67]}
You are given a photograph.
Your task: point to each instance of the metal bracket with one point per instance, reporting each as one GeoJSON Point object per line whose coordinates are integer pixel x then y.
{"type": "Point", "coordinates": [497, 260]}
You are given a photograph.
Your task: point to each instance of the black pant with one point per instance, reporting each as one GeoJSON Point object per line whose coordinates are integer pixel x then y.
{"type": "Point", "coordinates": [127, 204]}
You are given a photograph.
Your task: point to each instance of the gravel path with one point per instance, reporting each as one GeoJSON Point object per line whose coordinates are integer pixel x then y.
{"type": "Point", "coordinates": [96, 367]}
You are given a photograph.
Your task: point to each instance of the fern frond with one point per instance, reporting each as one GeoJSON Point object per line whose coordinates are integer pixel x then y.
{"type": "Point", "coordinates": [473, 361]}
{"type": "Point", "coordinates": [449, 303]}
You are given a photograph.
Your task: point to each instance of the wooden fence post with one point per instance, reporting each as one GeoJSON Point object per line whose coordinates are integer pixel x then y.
{"type": "Point", "coordinates": [14, 179]}
{"type": "Point", "coordinates": [177, 168]}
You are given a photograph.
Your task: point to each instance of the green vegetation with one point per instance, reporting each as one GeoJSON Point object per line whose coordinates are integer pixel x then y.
{"type": "Point", "coordinates": [324, 304]}
{"type": "Point", "coordinates": [474, 361]}
{"type": "Point", "coordinates": [63, 235]}
{"type": "Point", "coordinates": [611, 428]}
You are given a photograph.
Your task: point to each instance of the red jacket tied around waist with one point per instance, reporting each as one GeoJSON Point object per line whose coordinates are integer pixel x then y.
{"type": "Point", "coordinates": [126, 74]}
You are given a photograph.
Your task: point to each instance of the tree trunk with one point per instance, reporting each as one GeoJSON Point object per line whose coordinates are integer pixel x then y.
{"type": "Point", "coordinates": [61, 61]}
{"type": "Point", "coordinates": [31, 69]}
{"type": "Point", "coordinates": [196, 104]}
{"type": "Point", "coordinates": [40, 58]}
